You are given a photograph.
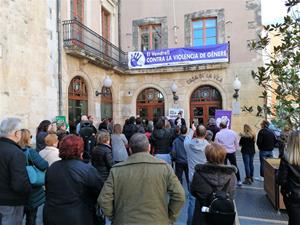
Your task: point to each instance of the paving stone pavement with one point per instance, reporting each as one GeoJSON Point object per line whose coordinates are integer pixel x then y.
{"type": "Point", "coordinates": [253, 206]}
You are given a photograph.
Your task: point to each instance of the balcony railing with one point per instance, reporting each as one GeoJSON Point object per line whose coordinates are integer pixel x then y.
{"type": "Point", "coordinates": [81, 40]}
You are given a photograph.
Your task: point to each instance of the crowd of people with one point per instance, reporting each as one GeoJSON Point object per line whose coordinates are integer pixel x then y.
{"type": "Point", "coordinates": [134, 174]}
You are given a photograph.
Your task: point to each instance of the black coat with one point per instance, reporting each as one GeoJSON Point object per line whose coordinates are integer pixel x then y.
{"type": "Point", "coordinates": [289, 179]}
{"type": "Point", "coordinates": [161, 140]}
{"type": "Point", "coordinates": [102, 159]}
{"type": "Point", "coordinates": [14, 182]}
{"type": "Point", "coordinates": [248, 144]}
{"type": "Point", "coordinates": [206, 177]}
{"type": "Point", "coordinates": [214, 129]}
{"type": "Point", "coordinates": [129, 130]}
{"type": "Point", "coordinates": [72, 188]}
{"type": "Point", "coordinates": [266, 140]}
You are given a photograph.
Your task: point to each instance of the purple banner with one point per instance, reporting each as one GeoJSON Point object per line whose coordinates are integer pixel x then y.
{"type": "Point", "coordinates": [178, 56]}
{"type": "Point", "coordinates": [223, 115]}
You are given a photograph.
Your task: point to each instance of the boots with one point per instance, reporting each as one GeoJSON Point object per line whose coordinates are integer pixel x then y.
{"type": "Point", "coordinates": [247, 181]}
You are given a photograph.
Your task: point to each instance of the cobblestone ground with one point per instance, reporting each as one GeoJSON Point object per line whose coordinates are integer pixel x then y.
{"type": "Point", "coordinates": [253, 206]}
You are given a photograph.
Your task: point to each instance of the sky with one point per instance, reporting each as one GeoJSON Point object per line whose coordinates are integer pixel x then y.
{"type": "Point", "coordinates": [272, 11]}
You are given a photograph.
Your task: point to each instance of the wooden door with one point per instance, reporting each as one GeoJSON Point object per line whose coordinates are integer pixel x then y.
{"type": "Point", "coordinates": [150, 104]}
{"type": "Point", "coordinates": [203, 104]}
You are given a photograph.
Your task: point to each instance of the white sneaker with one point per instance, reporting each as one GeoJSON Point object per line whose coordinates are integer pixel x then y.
{"type": "Point", "coordinates": [261, 179]}
{"type": "Point", "coordinates": [239, 183]}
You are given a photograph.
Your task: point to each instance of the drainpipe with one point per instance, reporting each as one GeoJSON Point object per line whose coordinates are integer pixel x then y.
{"type": "Point", "coordinates": [119, 25]}
{"type": "Point", "coordinates": [59, 66]}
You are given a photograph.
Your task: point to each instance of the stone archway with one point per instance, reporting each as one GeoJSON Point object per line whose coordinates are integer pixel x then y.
{"type": "Point", "coordinates": [77, 100]}
{"type": "Point", "coordinates": [203, 102]}
{"type": "Point", "coordinates": [150, 104]}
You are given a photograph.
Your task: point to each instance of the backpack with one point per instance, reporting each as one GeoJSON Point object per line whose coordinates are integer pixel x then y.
{"type": "Point", "coordinates": [219, 207]}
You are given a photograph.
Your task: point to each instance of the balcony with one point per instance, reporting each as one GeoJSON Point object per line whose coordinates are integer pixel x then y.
{"type": "Point", "coordinates": [81, 41]}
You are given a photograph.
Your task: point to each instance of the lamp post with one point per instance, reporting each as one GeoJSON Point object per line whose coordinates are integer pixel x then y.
{"type": "Point", "coordinates": [107, 82]}
{"type": "Point", "coordinates": [174, 90]}
{"type": "Point", "coordinates": [236, 86]}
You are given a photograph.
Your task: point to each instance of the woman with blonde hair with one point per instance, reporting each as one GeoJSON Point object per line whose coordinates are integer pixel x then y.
{"type": "Point", "coordinates": [37, 195]}
{"type": "Point", "coordinates": [50, 153]}
{"type": "Point", "coordinates": [247, 142]}
{"type": "Point", "coordinates": [289, 177]}
{"type": "Point", "coordinates": [118, 144]}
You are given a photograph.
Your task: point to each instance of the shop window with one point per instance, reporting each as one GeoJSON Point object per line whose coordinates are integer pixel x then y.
{"type": "Point", "coordinates": [204, 31]}
{"type": "Point", "coordinates": [77, 10]}
{"type": "Point", "coordinates": [150, 37]}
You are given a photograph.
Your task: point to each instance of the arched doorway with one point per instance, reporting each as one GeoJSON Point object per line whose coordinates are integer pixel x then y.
{"type": "Point", "coordinates": [203, 103]}
{"type": "Point", "coordinates": [150, 104]}
{"type": "Point", "coordinates": [77, 100]}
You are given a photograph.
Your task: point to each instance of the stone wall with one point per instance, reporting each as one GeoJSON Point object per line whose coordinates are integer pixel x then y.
{"type": "Point", "coordinates": [28, 76]}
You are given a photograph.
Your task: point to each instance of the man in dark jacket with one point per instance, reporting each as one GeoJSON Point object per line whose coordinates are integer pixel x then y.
{"type": "Point", "coordinates": [179, 156]}
{"type": "Point", "coordinates": [179, 121]}
{"type": "Point", "coordinates": [14, 182]}
{"type": "Point", "coordinates": [265, 143]}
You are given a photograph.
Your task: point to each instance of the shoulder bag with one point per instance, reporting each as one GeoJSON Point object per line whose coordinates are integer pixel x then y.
{"type": "Point", "coordinates": [36, 176]}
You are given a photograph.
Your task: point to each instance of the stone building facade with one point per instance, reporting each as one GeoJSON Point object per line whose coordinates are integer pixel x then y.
{"type": "Point", "coordinates": [39, 80]}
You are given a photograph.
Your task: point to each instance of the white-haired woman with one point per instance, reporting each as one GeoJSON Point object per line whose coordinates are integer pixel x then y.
{"type": "Point", "coordinates": [289, 177]}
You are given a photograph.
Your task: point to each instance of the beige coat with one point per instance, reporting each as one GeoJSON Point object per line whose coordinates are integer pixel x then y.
{"type": "Point", "coordinates": [142, 190]}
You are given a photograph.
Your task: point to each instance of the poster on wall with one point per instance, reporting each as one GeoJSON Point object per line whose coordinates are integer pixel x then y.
{"type": "Point", "coordinates": [173, 112]}
{"type": "Point", "coordinates": [178, 56]}
{"type": "Point", "coordinates": [223, 115]}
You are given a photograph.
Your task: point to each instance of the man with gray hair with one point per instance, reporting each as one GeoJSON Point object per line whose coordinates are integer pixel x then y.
{"type": "Point", "coordinates": [14, 182]}
{"type": "Point", "coordinates": [195, 153]}
{"type": "Point", "coordinates": [142, 189]}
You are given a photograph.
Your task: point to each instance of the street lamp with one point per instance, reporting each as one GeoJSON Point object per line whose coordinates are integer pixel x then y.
{"type": "Point", "coordinates": [174, 90]}
{"type": "Point", "coordinates": [107, 82]}
{"type": "Point", "coordinates": [236, 86]}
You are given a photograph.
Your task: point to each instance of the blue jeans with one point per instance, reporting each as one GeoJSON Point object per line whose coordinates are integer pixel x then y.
{"type": "Point", "coordinates": [191, 208]}
{"type": "Point", "coordinates": [248, 163]}
{"type": "Point", "coordinates": [165, 157]}
{"type": "Point", "coordinates": [11, 215]}
{"type": "Point", "coordinates": [262, 156]}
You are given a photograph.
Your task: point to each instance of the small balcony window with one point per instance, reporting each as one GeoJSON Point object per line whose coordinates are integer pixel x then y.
{"type": "Point", "coordinates": [204, 31]}
{"type": "Point", "coordinates": [150, 37]}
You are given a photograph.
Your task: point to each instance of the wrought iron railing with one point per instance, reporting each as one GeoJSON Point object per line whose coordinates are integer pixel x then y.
{"type": "Point", "coordinates": [79, 36]}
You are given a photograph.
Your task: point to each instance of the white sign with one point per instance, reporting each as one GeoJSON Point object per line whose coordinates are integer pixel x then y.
{"type": "Point", "coordinates": [173, 113]}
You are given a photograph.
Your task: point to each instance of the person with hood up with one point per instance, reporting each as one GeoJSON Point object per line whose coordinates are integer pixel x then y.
{"type": "Point", "coordinates": [161, 140]}
{"type": "Point", "coordinates": [195, 155]}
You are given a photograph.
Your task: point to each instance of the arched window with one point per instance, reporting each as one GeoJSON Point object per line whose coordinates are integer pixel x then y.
{"type": "Point", "coordinates": [203, 104]}
{"type": "Point", "coordinates": [77, 100]}
{"type": "Point", "coordinates": [150, 103]}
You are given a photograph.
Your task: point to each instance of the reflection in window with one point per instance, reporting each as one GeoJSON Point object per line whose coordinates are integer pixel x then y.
{"type": "Point", "coordinates": [150, 95]}
{"type": "Point", "coordinates": [205, 94]}
{"type": "Point", "coordinates": [204, 31]}
{"type": "Point", "coordinates": [150, 37]}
